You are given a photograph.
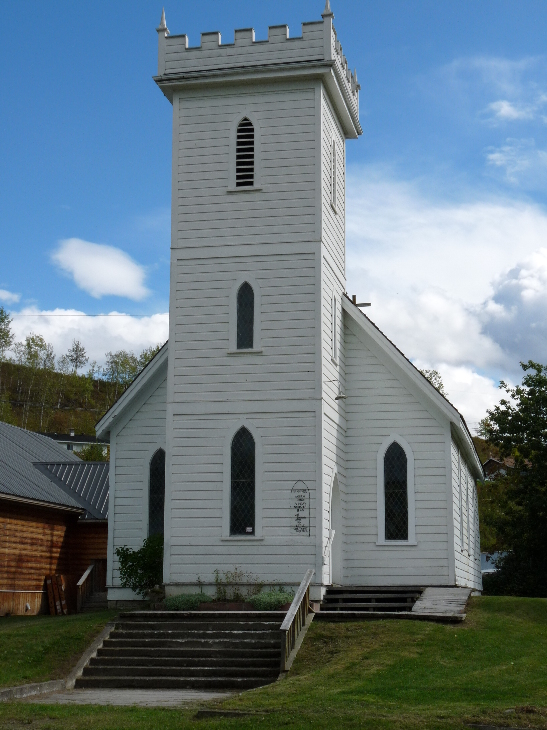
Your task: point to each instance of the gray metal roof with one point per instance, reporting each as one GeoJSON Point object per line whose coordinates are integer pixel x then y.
{"type": "Point", "coordinates": [28, 469]}
{"type": "Point", "coordinates": [86, 481]}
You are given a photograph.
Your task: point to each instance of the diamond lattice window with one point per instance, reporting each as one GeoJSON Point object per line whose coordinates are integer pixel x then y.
{"type": "Point", "coordinates": [396, 493]}
{"type": "Point", "coordinates": [245, 317]}
{"type": "Point", "coordinates": [242, 503]}
{"type": "Point", "coordinates": [245, 154]}
{"type": "Point", "coordinates": [156, 499]}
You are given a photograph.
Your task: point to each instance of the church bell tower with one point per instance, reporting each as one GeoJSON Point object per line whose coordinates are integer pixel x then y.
{"type": "Point", "coordinates": [255, 421]}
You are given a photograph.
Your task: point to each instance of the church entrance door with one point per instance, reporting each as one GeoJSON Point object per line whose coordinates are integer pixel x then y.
{"type": "Point", "coordinates": [337, 541]}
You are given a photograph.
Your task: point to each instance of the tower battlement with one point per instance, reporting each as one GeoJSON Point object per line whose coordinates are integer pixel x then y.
{"type": "Point", "coordinates": [317, 46]}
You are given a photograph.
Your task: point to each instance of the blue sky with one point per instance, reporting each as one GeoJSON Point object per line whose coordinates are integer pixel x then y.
{"type": "Point", "coordinates": [447, 207]}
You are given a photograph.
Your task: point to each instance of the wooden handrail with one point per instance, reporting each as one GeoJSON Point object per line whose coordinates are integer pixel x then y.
{"type": "Point", "coordinates": [296, 618]}
{"type": "Point", "coordinates": [83, 588]}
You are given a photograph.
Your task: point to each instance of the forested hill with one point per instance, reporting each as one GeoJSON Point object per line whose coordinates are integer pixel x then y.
{"type": "Point", "coordinates": [47, 397]}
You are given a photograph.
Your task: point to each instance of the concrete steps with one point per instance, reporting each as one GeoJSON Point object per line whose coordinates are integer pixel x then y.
{"type": "Point", "coordinates": [188, 650]}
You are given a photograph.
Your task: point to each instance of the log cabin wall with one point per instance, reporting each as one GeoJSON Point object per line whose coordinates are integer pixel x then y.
{"type": "Point", "coordinates": [36, 541]}
{"type": "Point", "coordinates": [88, 541]}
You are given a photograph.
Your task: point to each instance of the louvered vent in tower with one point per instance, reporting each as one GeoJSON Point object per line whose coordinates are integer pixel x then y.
{"type": "Point", "coordinates": [245, 154]}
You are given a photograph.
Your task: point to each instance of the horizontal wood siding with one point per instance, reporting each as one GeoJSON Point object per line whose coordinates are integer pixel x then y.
{"type": "Point", "coordinates": [135, 444]}
{"type": "Point", "coordinates": [377, 406]}
{"type": "Point", "coordinates": [283, 210]}
{"type": "Point", "coordinates": [466, 522]}
{"type": "Point", "coordinates": [35, 542]}
{"type": "Point", "coordinates": [199, 471]}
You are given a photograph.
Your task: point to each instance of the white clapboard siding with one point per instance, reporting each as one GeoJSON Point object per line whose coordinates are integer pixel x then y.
{"type": "Point", "coordinates": [134, 445]}
{"type": "Point", "coordinates": [466, 522]}
{"type": "Point", "coordinates": [369, 384]}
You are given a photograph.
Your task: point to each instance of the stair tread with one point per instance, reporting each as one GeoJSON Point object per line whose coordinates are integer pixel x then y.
{"type": "Point", "coordinates": [369, 595]}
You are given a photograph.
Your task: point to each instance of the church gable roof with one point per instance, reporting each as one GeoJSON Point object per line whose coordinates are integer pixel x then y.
{"type": "Point", "coordinates": [130, 399]}
{"type": "Point", "coordinates": [429, 394]}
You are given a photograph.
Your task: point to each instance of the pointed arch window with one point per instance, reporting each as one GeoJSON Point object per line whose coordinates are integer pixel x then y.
{"type": "Point", "coordinates": [243, 482]}
{"type": "Point", "coordinates": [396, 493]}
{"type": "Point", "coordinates": [245, 154]}
{"type": "Point", "coordinates": [245, 317]}
{"type": "Point", "coordinates": [156, 494]}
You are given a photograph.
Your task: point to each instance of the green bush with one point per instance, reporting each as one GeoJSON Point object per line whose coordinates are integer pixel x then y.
{"type": "Point", "coordinates": [270, 600]}
{"type": "Point", "coordinates": [186, 601]}
{"type": "Point", "coordinates": [142, 569]}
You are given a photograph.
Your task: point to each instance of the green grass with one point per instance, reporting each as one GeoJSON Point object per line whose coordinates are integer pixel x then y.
{"type": "Point", "coordinates": [380, 675]}
{"type": "Point", "coordinates": [40, 648]}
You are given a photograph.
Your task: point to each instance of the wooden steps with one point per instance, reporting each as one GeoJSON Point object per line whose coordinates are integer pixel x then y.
{"type": "Point", "coordinates": [360, 599]}
{"type": "Point", "coordinates": [188, 650]}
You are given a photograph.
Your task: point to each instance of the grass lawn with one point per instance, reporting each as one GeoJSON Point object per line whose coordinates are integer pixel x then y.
{"type": "Point", "coordinates": [40, 648]}
{"type": "Point", "coordinates": [375, 675]}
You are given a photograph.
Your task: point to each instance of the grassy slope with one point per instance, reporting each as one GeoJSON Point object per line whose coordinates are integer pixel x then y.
{"type": "Point", "coordinates": [40, 648]}
{"type": "Point", "coordinates": [385, 674]}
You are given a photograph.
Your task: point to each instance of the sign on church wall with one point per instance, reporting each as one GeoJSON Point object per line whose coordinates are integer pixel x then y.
{"type": "Point", "coordinates": [300, 503]}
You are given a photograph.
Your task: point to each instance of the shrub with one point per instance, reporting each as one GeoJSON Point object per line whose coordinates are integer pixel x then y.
{"type": "Point", "coordinates": [271, 600]}
{"type": "Point", "coordinates": [186, 601]}
{"type": "Point", "coordinates": [142, 569]}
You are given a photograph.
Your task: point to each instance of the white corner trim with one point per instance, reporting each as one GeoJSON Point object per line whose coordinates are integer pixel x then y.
{"type": "Point", "coordinates": [252, 117]}
{"type": "Point", "coordinates": [380, 494]}
{"type": "Point", "coordinates": [232, 428]}
{"type": "Point", "coordinates": [257, 333]}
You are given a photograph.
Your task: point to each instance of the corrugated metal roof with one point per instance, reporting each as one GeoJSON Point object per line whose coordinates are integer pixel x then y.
{"type": "Point", "coordinates": [33, 466]}
{"type": "Point", "coordinates": [86, 481]}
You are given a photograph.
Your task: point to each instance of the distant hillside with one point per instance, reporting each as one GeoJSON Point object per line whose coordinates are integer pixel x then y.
{"type": "Point", "coordinates": [45, 400]}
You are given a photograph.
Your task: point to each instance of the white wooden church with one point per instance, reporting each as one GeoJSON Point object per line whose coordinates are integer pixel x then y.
{"type": "Point", "coordinates": [279, 429]}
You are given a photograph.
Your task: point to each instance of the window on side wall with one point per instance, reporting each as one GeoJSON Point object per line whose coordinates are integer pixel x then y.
{"type": "Point", "coordinates": [156, 494]}
{"type": "Point", "coordinates": [245, 317]}
{"type": "Point", "coordinates": [243, 483]}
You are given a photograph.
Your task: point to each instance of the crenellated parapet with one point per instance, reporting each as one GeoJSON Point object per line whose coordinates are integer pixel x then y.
{"type": "Point", "coordinates": [316, 48]}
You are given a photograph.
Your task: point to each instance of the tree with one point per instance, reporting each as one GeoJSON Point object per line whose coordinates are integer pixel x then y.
{"type": "Point", "coordinates": [77, 355]}
{"type": "Point", "coordinates": [436, 380]}
{"type": "Point", "coordinates": [94, 452]}
{"type": "Point", "coordinates": [518, 427]}
{"type": "Point", "coordinates": [6, 335]}
{"type": "Point", "coordinates": [147, 354]}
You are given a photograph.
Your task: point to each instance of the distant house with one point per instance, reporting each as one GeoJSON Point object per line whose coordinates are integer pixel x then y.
{"type": "Point", "coordinates": [53, 519]}
{"type": "Point", "coordinates": [498, 467]}
{"type": "Point", "coordinates": [76, 442]}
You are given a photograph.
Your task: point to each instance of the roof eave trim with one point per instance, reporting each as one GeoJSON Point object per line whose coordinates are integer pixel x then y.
{"type": "Point", "coordinates": [102, 428]}
{"type": "Point", "coordinates": [40, 503]}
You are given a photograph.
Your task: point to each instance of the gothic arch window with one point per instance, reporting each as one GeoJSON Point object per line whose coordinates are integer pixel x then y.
{"type": "Point", "coordinates": [396, 509]}
{"type": "Point", "coordinates": [156, 494]}
{"type": "Point", "coordinates": [396, 493]}
{"type": "Point", "coordinates": [245, 154]}
{"type": "Point", "coordinates": [245, 317]}
{"type": "Point", "coordinates": [243, 483]}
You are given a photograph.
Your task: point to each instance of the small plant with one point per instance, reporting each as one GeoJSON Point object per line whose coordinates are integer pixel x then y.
{"type": "Point", "coordinates": [142, 569]}
{"type": "Point", "coordinates": [186, 601]}
{"type": "Point", "coordinates": [236, 585]}
{"type": "Point", "coordinates": [271, 600]}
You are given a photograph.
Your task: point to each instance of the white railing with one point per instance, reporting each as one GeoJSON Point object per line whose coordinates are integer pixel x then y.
{"type": "Point", "coordinates": [295, 619]}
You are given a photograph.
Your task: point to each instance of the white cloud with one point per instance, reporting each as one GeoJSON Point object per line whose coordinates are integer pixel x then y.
{"type": "Point", "coordinates": [446, 284]}
{"type": "Point", "coordinates": [9, 297]}
{"type": "Point", "coordinates": [101, 270]}
{"type": "Point", "coordinates": [99, 335]}
{"type": "Point", "coordinates": [521, 162]}
{"type": "Point", "coordinates": [506, 111]}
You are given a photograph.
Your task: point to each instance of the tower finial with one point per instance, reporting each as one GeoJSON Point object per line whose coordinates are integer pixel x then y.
{"type": "Point", "coordinates": [163, 25]}
{"type": "Point", "coordinates": [327, 12]}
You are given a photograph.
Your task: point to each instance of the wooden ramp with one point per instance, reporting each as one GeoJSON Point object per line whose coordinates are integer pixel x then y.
{"type": "Point", "coordinates": [448, 602]}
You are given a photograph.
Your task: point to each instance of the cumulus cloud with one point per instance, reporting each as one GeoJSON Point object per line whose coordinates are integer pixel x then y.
{"type": "Point", "coordinates": [458, 286]}
{"type": "Point", "coordinates": [516, 314]}
{"type": "Point", "coordinates": [101, 270]}
{"type": "Point", "coordinates": [117, 331]}
{"type": "Point", "coordinates": [9, 297]}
